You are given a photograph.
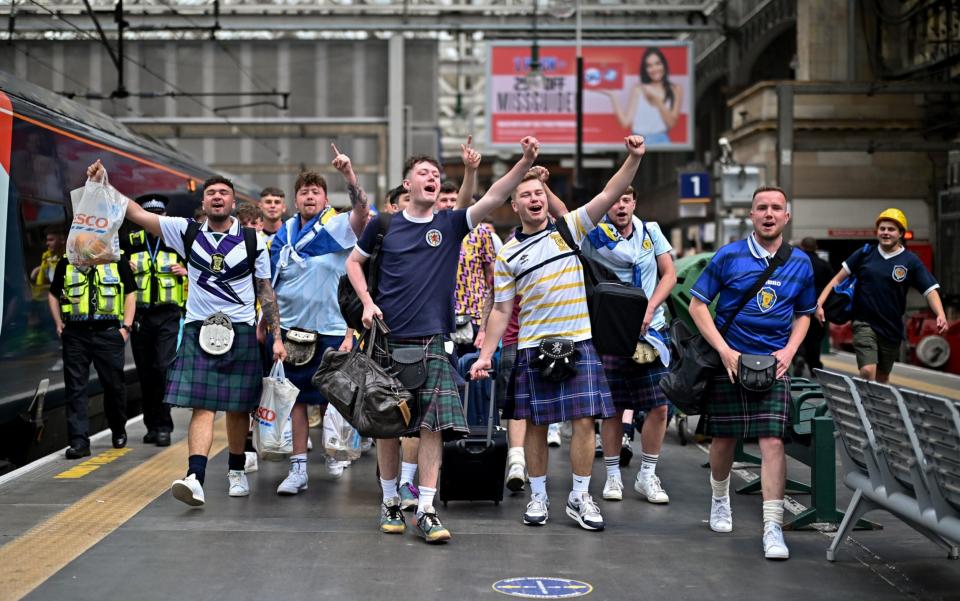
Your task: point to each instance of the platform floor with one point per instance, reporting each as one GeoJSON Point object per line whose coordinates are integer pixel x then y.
{"type": "Point", "coordinates": [116, 533]}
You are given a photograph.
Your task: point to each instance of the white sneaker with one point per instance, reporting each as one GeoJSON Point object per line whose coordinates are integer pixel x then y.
{"type": "Point", "coordinates": [239, 487]}
{"type": "Point", "coordinates": [334, 468]}
{"type": "Point", "coordinates": [295, 481]}
{"type": "Point", "coordinates": [538, 510]}
{"type": "Point", "coordinates": [516, 477]}
{"type": "Point", "coordinates": [613, 489]}
{"type": "Point", "coordinates": [721, 516]}
{"type": "Point", "coordinates": [585, 512]}
{"type": "Point", "coordinates": [365, 444]}
{"type": "Point", "coordinates": [309, 444]}
{"type": "Point", "coordinates": [188, 490]}
{"type": "Point", "coordinates": [251, 464]}
{"type": "Point", "coordinates": [553, 435]}
{"type": "Point", "coordinates": [650, 489]}
{"type": "Point", "coordinates": [774, 546]}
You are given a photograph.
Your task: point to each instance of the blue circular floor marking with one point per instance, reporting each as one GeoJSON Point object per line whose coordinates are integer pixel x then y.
{"type": "Point", "coordinates": [542, 588]}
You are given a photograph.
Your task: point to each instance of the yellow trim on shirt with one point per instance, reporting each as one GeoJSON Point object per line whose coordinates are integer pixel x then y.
{"type": "Point", "coordinates": [563, 303]}
{"type": "Point", "coordinates": [548, 277]}
{"type": "Point", "coordinates": [539, 322]}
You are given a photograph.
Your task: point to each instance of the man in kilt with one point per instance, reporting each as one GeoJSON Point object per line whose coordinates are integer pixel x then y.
{"type": "Point", "coordinates": [538, 266]}
{"type": "Point", "coordinates": [639, 254]}
{"type": "Point", "coordinates": [415, 297]}
{"type": "Point", "coordinates": [222, 281]}
{"type": "Point", "coordinates": [307, 258]}
{"type": "Point", "coordinates": [773, 322]}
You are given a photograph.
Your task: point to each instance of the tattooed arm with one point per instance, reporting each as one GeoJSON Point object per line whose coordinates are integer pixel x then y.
{"type": "Point", "coordinates": [271, 316]}
{"type": "Point", "coordinates": [360, 213]}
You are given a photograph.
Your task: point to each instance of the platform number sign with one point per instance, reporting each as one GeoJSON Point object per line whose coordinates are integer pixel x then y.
{"type": "Point", "coordinates": [695, 186]}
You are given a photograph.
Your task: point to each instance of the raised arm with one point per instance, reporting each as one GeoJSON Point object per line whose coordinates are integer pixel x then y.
{"type": "Point", "coordinates": [471, 163]}
{"type": "Point", "coordinates": [503, 187]}
{"type": "Point", "coordinates": [135, 213]}
{"type": "Point", "coordinates": [556, 208]}
{"type": "Point", "coordinates": [360, 212]}
{"type": "Point", "coordinates": [614, 189]}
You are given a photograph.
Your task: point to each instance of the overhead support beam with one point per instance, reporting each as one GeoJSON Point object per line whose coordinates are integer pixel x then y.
{"type": "Point", "coordinates": [894, 143]}
{"type": "Point", "coordinates": [396, 127]}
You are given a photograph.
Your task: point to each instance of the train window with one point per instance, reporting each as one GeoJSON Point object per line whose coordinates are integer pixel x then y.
{"type": "Point", "coordinates": [43, 239]}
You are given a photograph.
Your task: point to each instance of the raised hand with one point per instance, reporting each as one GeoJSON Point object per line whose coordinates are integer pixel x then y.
{"type": "Point", "coordinates": [531, 148]}
{"type": "Point", "coordinates": [341, 162]}
{"type": "Point", "coordinates": [471, 157]}
{"type": "Point", "coordinates": [542, 173]}
{"type": "Point", "coordinates": [635, 145]}
{"type": "Point", "coordinates": [96, 171]}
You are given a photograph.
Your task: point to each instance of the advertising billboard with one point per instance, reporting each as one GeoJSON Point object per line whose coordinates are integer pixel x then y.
{"type": "Point", "coordinates": [643, 87]}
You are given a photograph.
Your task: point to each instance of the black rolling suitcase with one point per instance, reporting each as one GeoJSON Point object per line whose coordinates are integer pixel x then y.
{"type": "Point", "coordinates": [473, 467]}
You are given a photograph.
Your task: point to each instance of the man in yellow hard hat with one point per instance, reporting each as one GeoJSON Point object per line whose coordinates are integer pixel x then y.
{"type": "Point", "coordinates": [884, 274]}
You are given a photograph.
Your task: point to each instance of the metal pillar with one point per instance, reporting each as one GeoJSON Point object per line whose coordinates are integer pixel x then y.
{"type": "Point", "coordinates": [785, 146]}
{"type": "Point", "coordinates": [395, 112]}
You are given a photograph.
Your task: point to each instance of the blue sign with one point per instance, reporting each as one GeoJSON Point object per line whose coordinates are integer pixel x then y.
{"type": "Point", "coordinates": [543, 588]}
{"type": "Point", "coordinates": [695, 185]}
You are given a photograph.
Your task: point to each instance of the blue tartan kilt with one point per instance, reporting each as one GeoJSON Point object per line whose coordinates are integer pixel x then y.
{"type": "Point", "coordinates": [228, 382]}
{"type": "Point", "coordinates": [634, 386]}
{"type": "Point", "coordinates": [584, 395]}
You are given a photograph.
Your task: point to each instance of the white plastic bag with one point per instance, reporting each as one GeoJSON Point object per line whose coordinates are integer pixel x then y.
{"type": "Point", "coordinates": [98, 211]}
{"type": "Point", "coordinates": [273, 434]}
{"type": "Point", "coordinates": [340, 440]}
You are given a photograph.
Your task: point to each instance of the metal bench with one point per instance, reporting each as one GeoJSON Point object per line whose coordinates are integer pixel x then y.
{"type": "Point", "coordinates": [880, 454]}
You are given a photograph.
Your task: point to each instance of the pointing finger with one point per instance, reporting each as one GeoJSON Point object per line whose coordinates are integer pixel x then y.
{"type": "Point", "coordinates": [335, 150]}
{"type": "Point", "coordinates": [469, 140]}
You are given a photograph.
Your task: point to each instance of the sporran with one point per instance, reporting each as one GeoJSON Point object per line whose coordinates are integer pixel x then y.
{"type": "Point", "coordinates": [216, 334]}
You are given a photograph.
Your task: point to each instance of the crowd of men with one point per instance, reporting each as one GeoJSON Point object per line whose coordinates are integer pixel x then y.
{"type": "Point", "coordinates": [210, 299]}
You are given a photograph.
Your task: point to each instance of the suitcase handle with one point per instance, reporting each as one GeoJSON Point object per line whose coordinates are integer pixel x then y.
{"type": "Point", "coordinates": [472, 446]}
{"type": "Point", "coordinates": [491, 375]}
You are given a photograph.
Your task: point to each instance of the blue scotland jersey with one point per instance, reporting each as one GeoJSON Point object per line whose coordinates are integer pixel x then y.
{"type": "Point", "coordinates": [764, 324]}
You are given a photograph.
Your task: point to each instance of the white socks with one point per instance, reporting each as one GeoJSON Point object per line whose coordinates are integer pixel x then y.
{"type": "Point", "coordinates": [538, 486]}
{"type": "Point", "coordinates": [515, 455]}
{"type": "Point", "coordinates": [389, 488]}
{"type": "Point", "coordinates": [581, 486]}
{"type": "Point", "coordinates": [613, 467]}
{"type": "Point", "coordinates": [408, 471]}
{"type": "Point", "coordinates": [648, 466]}
{"type": "Point", "coordinates": [773, 512]}
{"type": "Point", "coordinates": [721, 488]}
{"type": "Point", "coordinates": [426, 498]}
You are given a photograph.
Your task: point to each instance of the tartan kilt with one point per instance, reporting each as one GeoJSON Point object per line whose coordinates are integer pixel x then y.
{"type": "Point", "coordinates": [635, 386]}
{"type": "Point", "coordinates": [228, 382]}
{"type": "Point", "coordinates": [733, 412]}
{"type": "Point", "coordinates": [584, 395]}
{"type": "Point", "coordinates": [437, 405]}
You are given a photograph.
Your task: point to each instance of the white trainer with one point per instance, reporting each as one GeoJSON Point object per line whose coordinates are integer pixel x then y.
{"type": "Point", "coordinates": [721, 516]}
{"type": "Point", "coordinates": [774, 546]}
{"type": "Point", "coordinates": [309, 444]}
{"type": "Point", "coordinates": [295, 481]}
{"type": "Point", "coordinates": [239, 487]}
{"type": "Point", "coordinates": [584, 511]}
{"type": "Point", "coordinates": [538, 510]}
{"type": "Point", "coordinates": [251, 463]}
{"type": "Point", "coordinates": [334, 468]}
{"type": "Point", "coordinates": [613, 489]}
{"type": "Point", "coordinates": [553, 435]}
{"type": "Point", "coordinates": [516, 476]}
{"type": "Point", "coordinates": [188, 490]}
{"type": "Point", "coordinates": [650, 489]}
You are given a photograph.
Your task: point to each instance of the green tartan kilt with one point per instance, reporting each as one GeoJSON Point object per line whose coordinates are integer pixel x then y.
{"type": "Point", "coordinates": [733, 412]}
{"type": "Point", "coordinates": [437, 405]}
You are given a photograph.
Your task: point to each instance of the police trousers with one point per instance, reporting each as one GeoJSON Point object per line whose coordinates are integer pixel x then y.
{"type": "Point", "coordinates": [104, 348]}
{"type": "Point", "coordinates": [154, 345]}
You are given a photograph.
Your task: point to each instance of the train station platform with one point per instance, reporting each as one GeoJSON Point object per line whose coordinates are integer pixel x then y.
{"type": "Point", "coordinates": [108, 528]}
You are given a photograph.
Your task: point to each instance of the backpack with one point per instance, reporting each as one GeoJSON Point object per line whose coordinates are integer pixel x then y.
{"type": "Point", "coordinates": [350, 306]}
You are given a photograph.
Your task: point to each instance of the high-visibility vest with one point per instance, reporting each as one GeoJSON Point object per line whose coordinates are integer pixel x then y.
{"type": "Point", "coordinates": [157, 284]}
{"type": "Point", "coordinates": [96, 294]}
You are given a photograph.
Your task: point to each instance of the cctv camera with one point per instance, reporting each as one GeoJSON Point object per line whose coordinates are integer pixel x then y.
{"type": "Point", "coordinates": [725, 145]}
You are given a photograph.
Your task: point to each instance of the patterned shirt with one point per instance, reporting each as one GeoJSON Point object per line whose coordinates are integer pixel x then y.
{"type": "Point", "coordinates": [476, 251]}
{"type": "Point", "coordinates": [543, 270]}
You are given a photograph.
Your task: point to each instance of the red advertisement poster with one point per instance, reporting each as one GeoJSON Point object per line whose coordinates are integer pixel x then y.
{"type": "Point", "coordinates": [628, 87]}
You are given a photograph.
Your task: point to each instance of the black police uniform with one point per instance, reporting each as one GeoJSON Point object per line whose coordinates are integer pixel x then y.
{"type": "Point", "coordinates": [89, 337]}
{"type": "Point", "coordinates": [156, 329]}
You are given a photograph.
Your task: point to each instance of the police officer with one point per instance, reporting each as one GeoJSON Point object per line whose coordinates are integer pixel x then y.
{"type": "Point", "coordinates": [159, 274]}
{"type": "Point", "coordinates": [93, 310]}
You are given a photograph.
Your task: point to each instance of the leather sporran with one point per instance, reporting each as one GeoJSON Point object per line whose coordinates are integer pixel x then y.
{"type": "Point", "coordinates": [365, 394]}
{"type": "Point", "coordinates": [757, 373]}
{"type": "Point", "coordinates": [410, 367]}
{"type": "Point", "coordinates": [216, 334]}
{"type": "Point", "coordinates": [301, 346]}
{"type": "Point", "coordinates": [556, 359]}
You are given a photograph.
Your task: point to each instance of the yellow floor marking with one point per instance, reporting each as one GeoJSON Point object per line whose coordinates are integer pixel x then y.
{"type": "Point", "coordinates": [45, 549]}
{"type": "Point", "coordinates": [897, 380]}
{"type": "Point", "coordinates": [94, 463]}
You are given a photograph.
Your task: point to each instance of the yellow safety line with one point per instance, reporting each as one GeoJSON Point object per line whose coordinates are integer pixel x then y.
{"type": "Point", "coordinates": [896, 379]}
{"type": "Point", "coordinates": [30, 559]}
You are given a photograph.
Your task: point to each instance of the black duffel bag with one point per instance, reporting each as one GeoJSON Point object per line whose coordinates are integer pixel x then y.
{"type": "Point", "coordinates": [365, 394]}
{"type": "Point", "coordinates": [616, 309]}
{"type": "Point", "coordinates": [694, 362]}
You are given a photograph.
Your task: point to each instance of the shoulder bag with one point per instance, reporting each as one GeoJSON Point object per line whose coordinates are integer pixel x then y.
{"type": "Point", "coordinates": [694, 362]}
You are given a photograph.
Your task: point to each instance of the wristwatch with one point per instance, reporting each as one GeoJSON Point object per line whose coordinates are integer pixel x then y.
{"type": "Point", "coordinates": [124, 326]}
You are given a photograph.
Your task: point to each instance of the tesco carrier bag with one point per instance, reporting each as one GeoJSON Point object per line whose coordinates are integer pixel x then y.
{"type": "Point", "coordinates": [340, 440]}
{"type": "Point", "coordinates": [98, 211]}
{"type": "Point", "coordinates": [273, 414]}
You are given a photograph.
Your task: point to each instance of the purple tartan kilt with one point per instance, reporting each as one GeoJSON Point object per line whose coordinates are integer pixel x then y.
{"type": "Point", "coordinates": [634, 386]}
{"type": "Point", "coordinates": [228, 382]}
{"type": "Point", "coordinates": [542, 402]}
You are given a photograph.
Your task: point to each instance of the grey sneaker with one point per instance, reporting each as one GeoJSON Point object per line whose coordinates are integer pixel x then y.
{"type": "Point", "coordinates": [584, 511]}
{"type": "Point", "coordinates": [538, 510]}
